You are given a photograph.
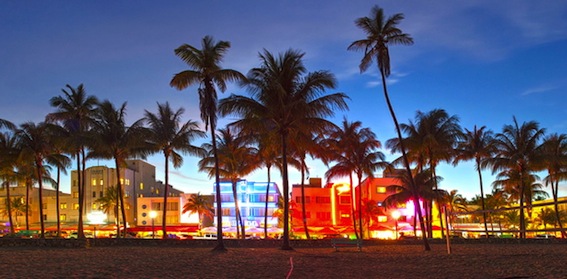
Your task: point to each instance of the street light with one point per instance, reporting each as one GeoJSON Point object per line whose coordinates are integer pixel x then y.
{"type": "Point", "coordinates": [396, 214]}
{"type": "Point", "coordinates": [153, 215]}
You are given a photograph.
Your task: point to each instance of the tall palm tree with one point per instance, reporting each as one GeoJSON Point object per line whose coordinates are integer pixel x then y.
{"type": "Point", "coordinates": [205, 70]}
{"type": "Point", "coordinates": [432, 140]}
{"type": "Point", "coordinates": [476, 145]}
{"type": "Point", "coordinates": [197, 203]}
{"type": "Point", "coordinates": [355, 152]}
{"type": "Point", "coordinates": [168, 135]}
{"type": "Point", "coordinates": [62, 162]}
{"type": "Point", "coordinates": [285, 100]}
{"type": "Point", "coordinates": [34, 140]}
{"type": "Point", "coordinates": [237, 158]}
{"type": "Point", "coordinates": [554, 152]}
{"type": "Point", "coordinates": [517, 153]}
{"type": "Point", "coordinates": [8, 157]}
{"type": "Point", "coordinates": [74, 111]}
{"type": "Point", "coordinates": [380, 33]}
{"type": "Point", "coordinates": [114, 140]}
{"type": "Point", "coordinates": [268, 157]}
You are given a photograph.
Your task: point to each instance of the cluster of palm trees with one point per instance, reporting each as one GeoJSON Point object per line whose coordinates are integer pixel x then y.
{"type": "Point", "coordinates": [281, 121]}
{"type": "Point", "coordinates": [84, 128]}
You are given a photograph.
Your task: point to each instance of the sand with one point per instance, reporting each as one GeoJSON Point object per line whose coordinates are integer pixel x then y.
{"type": "Point", "coordinates": [381, 261]}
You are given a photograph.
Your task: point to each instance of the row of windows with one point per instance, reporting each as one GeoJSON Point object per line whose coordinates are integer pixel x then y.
{"type": "Point", "coordinates": [248, 198]}
{"type": "Point", "coordinates": [255, 212]}
{"type": "Point", "coordinates": [342, 199]}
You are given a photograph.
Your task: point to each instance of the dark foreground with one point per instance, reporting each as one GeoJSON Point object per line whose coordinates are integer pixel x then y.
{"type": "Point", "coordinates": [381, 261]}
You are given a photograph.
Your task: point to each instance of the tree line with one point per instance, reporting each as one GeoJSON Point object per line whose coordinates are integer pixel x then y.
{"type": "Point", "coordinates": [282, 120]}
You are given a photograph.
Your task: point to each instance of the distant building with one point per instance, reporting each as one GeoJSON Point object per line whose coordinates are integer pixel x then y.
{"type": "Point", "coordinates": [251, 197]}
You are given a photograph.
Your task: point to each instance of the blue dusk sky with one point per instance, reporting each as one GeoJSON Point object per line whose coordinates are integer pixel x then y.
{"type": "Point", "coordinates": [483, 61]}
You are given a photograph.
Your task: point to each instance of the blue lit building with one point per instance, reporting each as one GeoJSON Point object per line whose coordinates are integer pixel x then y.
{"type": "Point", "coordinates": [252, 202]}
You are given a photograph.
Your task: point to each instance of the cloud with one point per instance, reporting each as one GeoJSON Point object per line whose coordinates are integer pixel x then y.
{"type": "Point", "coordinates": [539, 90]}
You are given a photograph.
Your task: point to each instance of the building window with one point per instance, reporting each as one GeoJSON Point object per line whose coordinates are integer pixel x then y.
{"type": "Point", "coordinates": [344, 200]}
{"type": "Point", "coordinates": [94, 194]}
{"type": "Point", "coordinates": [226, 211]}
{"type": "Point", "coordinates": [93, 182]}
{"type": "Point", "coordinates": [380, 189]}
{"type": "Point", "coordinates": [63, 206]}
{"type": "Point", "coordinates": [44, 217]}
{"type": "Point", "coordinates": [95, 206]}
{"type": "Point", "coordinates": [142, 186]}
{"type": "Point", "coordinates": [74, 183]}
{"type": "Point", "coordinates": [75, 206]}
{"type": "Point", "coordinates": [322, 199]}
{"type": "Point", "coordinates": [44, 206]}
{"type": "Point", "coordinates": [75, 195]}
{"type": "Point", "coordinates": [345, 215]}
{"type": "Point", "coordinates": [382, 218]}
{"type": "Point", "coordinates": [101, 182]}
{"type": "Point", "coordinates": [63, 217]}
{"type": "Point", "coordinates": [101, 194]}
{"type": "Point", "coordinates": [323, 216]}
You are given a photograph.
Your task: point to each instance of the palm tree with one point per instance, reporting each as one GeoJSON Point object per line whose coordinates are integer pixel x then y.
{"type": "Point", "coordinates": [237, 158]}
{"type": "Point", "coordinates": [476, 145]}
{"type": "Point", "coordinates": [114, 140]}
{"type": "Point", "coordinates": [554, 152]}
{"type": "Point", "coordinates": [166, 134]}
{"type": "Point", "coordinates": [74, 111]}
{"type": "Point", "coordinates": [517, 153]}
{"type": "Point", "coordinates": [381, 32]}
{"type": "Point", "coordinates": [62, 162]}
{"type": "Point", "coordinates": [197, 203]}
{"type": "Point", "coordinates": [370, 209]}
{"type": "Point", "coordinates": [109, 202]}
{"type": "Point", "coordinates": [8, 157]}
{"type": "Point", "coordinates": [34, 141]}
{"type": "Point", "coordinates": [285, 101]}
{"type": "Point", "coordinates": [268, 157]}
{"type": "Point", "coordinates": [205, 70]}
{"type": "Point", "coordinates": [404, 192]}
{"type": "Point", "coordinates": [355, 152]}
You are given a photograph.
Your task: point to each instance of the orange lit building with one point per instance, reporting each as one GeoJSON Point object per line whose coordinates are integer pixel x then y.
{"type": "Point", "coordinates": [329, 207]}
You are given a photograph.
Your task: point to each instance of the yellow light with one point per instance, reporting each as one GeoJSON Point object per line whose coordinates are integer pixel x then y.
{"type": "Point", "coordinates": [153, 214]}
{"type": "Point", "coordinates": [396, 214]}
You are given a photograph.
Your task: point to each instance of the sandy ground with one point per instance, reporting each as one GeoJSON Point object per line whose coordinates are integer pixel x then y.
{"type": "Point", "coordinates": [386, 261]}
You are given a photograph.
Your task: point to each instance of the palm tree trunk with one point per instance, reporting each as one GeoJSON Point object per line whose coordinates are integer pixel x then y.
{"type": "Point", "coordinates": [79, 192]}
{"type": "Point", "coordinates": [554, 190]}
{"type": "Point", "coordinates": [237, 216]}
{"type": "Point", "coordinates": [266, 205]}
{"type": "Point", "coordinates": [220, 243]}
{"type": "Point", "coordinates": [482, 197]}
{"type": "Point", "coordinates": [121, 197]}
{"type": "Point", "coordinates": [165, 194]}
{"type": "Point", "coordinates": [352, 210]}
{"type": "Point", "coordinates": [82, 192]}
{"type": "Point", "coordinates": [434, 174]}
{"type": "Point", "coordinates": [405, 158]}
{"type": "Point", "coordinates": [57, 208]}
{"type": "Point", "coordinates": [40, 190]}
{"type": "Point", "coordinates": [359, 197]}
{"type": "Point", "coordinates": [9, 205]}
{"type": "Point", "coordinates": [27, 206]}
{"type": "Point", "coordinates": [285, 182]}
{"type": "Point", "coordinates": [522, 216]}
{"type": "Point", "coordinates": [303, 212]}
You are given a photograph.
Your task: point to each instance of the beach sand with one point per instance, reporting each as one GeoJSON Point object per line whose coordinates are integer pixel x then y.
{"type": "Point", "coordinates": [385, 261]}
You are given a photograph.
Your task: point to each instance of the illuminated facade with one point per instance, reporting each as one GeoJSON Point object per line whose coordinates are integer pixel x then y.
{"type": "Point", "coordinates": [251, 197]}
{"type": "Point", "coordinates": [138, 180]}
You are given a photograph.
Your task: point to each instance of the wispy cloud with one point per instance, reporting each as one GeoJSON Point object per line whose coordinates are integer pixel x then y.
{"type": "Point", "coordinates": [539, 90]}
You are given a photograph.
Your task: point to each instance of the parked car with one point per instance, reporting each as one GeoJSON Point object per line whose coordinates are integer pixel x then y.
{"type": "Point", "coordinates": [185, 236]}
{"type": "Point", "coordinates": [76, 235]}
{"type": "Point", "coordinates": [545, 236]}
